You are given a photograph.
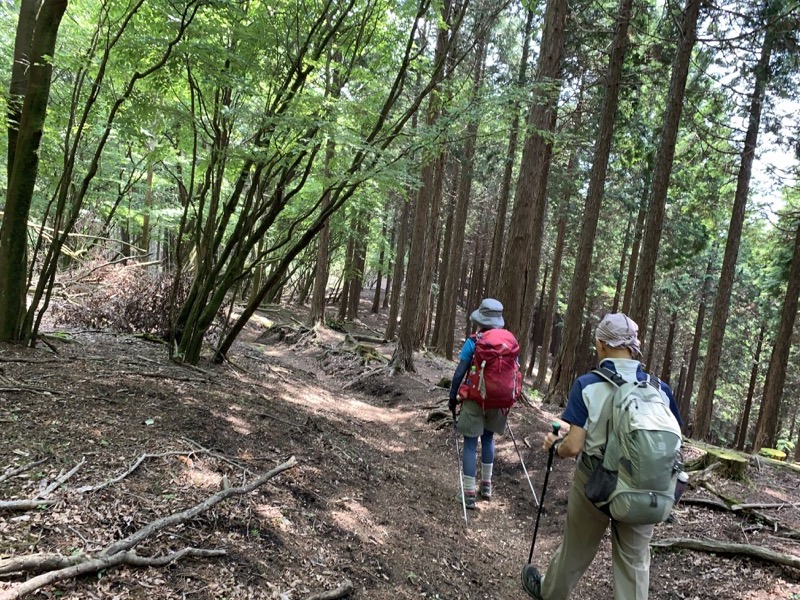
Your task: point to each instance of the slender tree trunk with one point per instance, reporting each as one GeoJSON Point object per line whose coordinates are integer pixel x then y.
{"type": "Point", "coordinates": [376, 300]}
{"type": "Point", "coordinates": [527, 222]}
{"type": "Point", "coordinates": [704, 407]}
{"type": "Point", "coordinates": [444, 342]}
{"type": "Point", "coordinates": [344, 300]}
{"type": "Point", "coordinates": [537, 329]}
{"type": "Point", "coordinates": [359, 263]}
{"type": "Point", "coordinates": [686, 397]}
{"type": "Point", "coordinates": [766, 426]}
{"type": "Point", "coordinates": [399, 264]}
{"type": "Point", "coordinates": [651, 347]}
{"type": "Point", "coordinates": [446, 249]}
{"type": "Point", "coordinates": [144, 243]}
{"type": "Point", "coordinates": [623, 260]}
{"type": "Point", "coordinates": [316, 313]}
{"type": "Point", "coordinates": [416, 297]}
{"type": "Point", "coordinates": [565, 368]}
{"type": "Point", "coordinates": [496, 253]}
{"type": "Point", "coordinates": [741, 434]}
{"type": "Point", "coordinates": [637, 237]}
{"type": "Point", "coordinates": [552, 298]}
{"type": "Point", "coordinates": [666, 368]}
{"type": "Point", "coordinates": [22, 180]}
{"type": "Point", "coordinates": [646, 275]}
{"type": "Point", "coordinates": [19, 75]}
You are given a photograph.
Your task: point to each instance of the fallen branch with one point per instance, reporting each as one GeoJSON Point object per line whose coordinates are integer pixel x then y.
{"type": "Point", "coordinates": [759, 552]}
{"type": "Point", "coordinates": [218, 455]}
{"type": "Point", "coordinates": [54, 567]}
{"type": "Point", "coordinates": [61, 479]}
{"type": "Point", "coordinates": [101, 563]}
{"type": "Point", "coordinates": [24, 504]}
{"type": "Point", "coordinates": [131, 469]}
{"type": "Point", "coordinates": [14, 472]}
{"type": "Point", "coordinates": [340, 592]}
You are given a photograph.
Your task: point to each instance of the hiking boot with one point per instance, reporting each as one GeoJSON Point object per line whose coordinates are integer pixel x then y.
{"type": "Point", "coordinates": [532, 582]}
{"type": "Point", "coordinates": [469, 499]}
{"type": "Point", "coordinates": [485, 489]}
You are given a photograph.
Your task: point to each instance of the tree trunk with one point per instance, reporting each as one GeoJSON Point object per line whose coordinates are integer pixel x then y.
{"type": "Point", "coordinates": [766, 426]}
{"type": "Point", "coordinates": [666, 367]}
{"type": "Point", "coordinates": [686, 396]}
{"type": "Point", "coordinates": [565, 368]}
{"type": "Point", "coordinates": [552, 298]}
{"type": "Point", "coordinates": [359, 263]}
{"type": "Point", "coordinates": [527, 222]}
{"type": "Point", "coordinates": [416, 296]}
{"type": "Point", "coordinates": [376, 300]}
{"type": "Point", "coordinates": [444, 342]}
{"type": "Point", "coordinates": [537, 329]}
{"type": "Point", "coordinates": [496, 253]}
{"type": "Point", "coordinates": [645, 278]}
{"type": "Point", "coordinates": [705, 396]}
{"type": "Point", "coordinates": [637, 237]}
{"type": "Point", "coordinates": [623, 259]}
{"type": "Point", "coordinates": [316, 313]}
{"type": "Point", "coordinates": [651, 347]}
{"type": "Point", "coordinates": [448, 242]}
{"type": "Point", "coordinates": [399, 264]}
{"type": "Point", "coordinates": [144, 242]}
{"type": "Point", "coordinates": [741, 434]}
{"type": "Point", "coordinates": [22, 180]}
{"type": "Point", "coordinates": [19, 75]}
{"type": "Point", "coordinates": [344, 300]}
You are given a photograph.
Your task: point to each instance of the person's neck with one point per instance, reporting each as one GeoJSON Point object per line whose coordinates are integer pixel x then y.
{"type": "Point", "coordinates": [616, 353]}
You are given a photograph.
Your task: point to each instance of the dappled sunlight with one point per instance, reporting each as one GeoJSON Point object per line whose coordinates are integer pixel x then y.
{"type": "Point", "coordinates": [238, 424]}
{"type": "Point", "coordinates": [196, 474]}
{"type": "Point", "coordinates": [356, 519]}
{"type": "Point", "coordinates": [347, 406]}
{"type": "Point", "coordinates": [276, 518]}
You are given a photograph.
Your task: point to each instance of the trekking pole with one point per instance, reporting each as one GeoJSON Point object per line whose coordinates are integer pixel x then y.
{"type": "Point", "coordinates": [522, 462]}
{"type": "Point", "coordinates": [556, 427]}
{"type": "Point", "coordinates": [458, 461]}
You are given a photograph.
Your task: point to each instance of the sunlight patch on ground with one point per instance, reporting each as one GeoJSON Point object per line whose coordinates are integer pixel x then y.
{"type": "Point", "coordinates": [348, 407]}
{"type": "Point", "coordinates": [356, 519]}
{"type": "Point", "coordinates": [196, 475]}
{"type": "Point", "coordinates": [239, 425]}
{"type": "Point", "coordinates": [274, 516]}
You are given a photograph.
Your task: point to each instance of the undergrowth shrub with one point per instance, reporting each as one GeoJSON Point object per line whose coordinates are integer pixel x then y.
{"type": "Point", "coordinates": [127, 299]}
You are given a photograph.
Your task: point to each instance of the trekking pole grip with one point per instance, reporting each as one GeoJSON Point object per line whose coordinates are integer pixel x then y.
{"type": "Point", "coordinates": [556, 427]}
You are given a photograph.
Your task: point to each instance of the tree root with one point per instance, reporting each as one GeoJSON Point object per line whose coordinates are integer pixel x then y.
{"type": "Point", "coordinates": [54, 567]}
{"type": "Point", "coordinates": [730, 548]}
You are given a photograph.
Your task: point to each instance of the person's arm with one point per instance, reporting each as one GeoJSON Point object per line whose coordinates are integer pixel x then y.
{"type": "Point", "coordinates": [571, 445]}
{"type": "Point", "coordinates": [673, 406]}
{"type": "Point", "coordinates": [577, 415]}
{"type": "Point", "coordinates": [458, 377]}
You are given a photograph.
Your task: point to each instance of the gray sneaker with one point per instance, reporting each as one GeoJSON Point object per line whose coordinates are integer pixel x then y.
{"type": "Point", "coordinates": [485, 489]}
{"type": "Point", "coordinates": [469, 499]}
{"type": "Point", "coordinates": [532, 581]}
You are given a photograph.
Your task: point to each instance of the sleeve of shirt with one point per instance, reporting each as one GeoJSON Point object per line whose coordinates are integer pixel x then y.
{"type": "Point", "coordinates": [458, 377]}
{"type": "Point", "coordinates": [467, 350]}
{"type": "Point", "coordinates": [673, 406]}
{"type": "Point", "coordinates": [576, 412]}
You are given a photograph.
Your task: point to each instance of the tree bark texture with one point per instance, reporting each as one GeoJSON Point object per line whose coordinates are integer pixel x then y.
{"type": "Point", "coordinates": [527, 221]}
{"type": "Point", "coordinates": [637, 237]}
{"type": "Point", "coordinates": [496, 252]}
{"type": "Point", "coordinates": [19, 194]}
{"type": "Point", "coordinates": [741, 434]}
{"type": "Point", "coordinates": [766, 426]}
{"type": "Point", "coordinates": [645, 278]}
{"type": "Point", "coordinates": [567, 356]}
{"type": "Point", "coordinates": [399, 268]}
{"type": "Point", "coordinates": [666, 367]}
{"type": "Point", "coordinates": [550, 307]}
{"type": "Point", "coordinates": [708, 380]}
{"type": "Point", "coordinates": [444, 343]}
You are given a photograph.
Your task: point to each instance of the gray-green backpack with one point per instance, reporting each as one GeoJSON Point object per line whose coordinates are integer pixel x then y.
{"type": "Point", "coordinates": [635, 483]}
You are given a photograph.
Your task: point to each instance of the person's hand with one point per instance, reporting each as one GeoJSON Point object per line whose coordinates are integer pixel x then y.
{"type": "Point", "coordinates": [549, 440]}
{"type": "Point", "coordinates": [452, 404]}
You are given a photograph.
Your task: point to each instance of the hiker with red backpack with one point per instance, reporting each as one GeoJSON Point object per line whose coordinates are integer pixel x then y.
{"type": "Point", "coordinates": [487, 381]}
{"type": "Point", "coordinates": [625, 432]}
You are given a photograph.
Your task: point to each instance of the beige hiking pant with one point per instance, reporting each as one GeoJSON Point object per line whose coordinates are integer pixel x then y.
{"type": "Point", "coordinates": [583, 533]}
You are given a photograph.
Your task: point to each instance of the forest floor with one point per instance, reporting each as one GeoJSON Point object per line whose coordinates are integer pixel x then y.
{"type": "Point", "coordinates": [373, 498]}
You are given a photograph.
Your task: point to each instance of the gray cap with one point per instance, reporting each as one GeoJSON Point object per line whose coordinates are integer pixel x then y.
{"type": "Point", "coordinates": [489, 314]}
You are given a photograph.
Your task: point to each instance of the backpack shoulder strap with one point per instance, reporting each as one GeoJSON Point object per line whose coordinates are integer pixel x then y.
{"type": "Point", "coordinates": [610, 376]}
{"type": "Point", "coordinates": [654, 381]}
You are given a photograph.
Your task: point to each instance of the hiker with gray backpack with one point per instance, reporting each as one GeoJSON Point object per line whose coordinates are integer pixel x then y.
{"type": "Point", "coordinates": [625, 430]}
{"type": "Point", "coordinates": [488, 382]}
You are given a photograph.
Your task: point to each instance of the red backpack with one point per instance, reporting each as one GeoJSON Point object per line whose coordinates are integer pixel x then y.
{"type": "Point", "coordinates": [494, 379]}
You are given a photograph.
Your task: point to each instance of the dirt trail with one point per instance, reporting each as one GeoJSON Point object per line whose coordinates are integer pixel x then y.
{"type": "Point", "coordinates": [373, 500]}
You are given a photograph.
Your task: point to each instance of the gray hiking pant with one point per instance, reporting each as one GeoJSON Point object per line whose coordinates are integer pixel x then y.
{"type": "Point", "coordinates": [584, 531]}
